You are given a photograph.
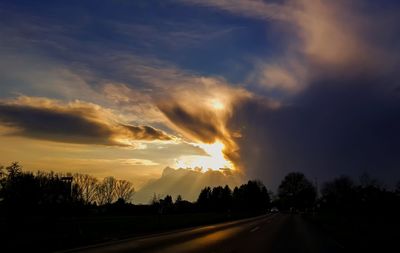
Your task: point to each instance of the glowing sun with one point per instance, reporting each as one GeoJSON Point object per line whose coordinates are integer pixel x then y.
{"type": "Point", "coordinates": [214, 160]}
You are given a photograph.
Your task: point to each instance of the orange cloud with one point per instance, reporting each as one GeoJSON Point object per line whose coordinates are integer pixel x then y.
{"type": "Point", "coordinates": [74, 122]}
{"type": "Point", "coordinates": [201, 110]}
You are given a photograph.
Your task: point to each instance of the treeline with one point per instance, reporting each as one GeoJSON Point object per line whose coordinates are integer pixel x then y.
{"type": "Point", "coordinates": [342, 195]}
{"type": "Point", "coordinates": [79, 194]}
{"type": "Point", "coordinates": [252, 196]}
{"type": "Point", "coordinates": [89, 190]}
{"type": "Point", "coordinates": [50, 192]}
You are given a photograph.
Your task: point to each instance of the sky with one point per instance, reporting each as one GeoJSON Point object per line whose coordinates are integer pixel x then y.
{"type": "Point", "coordinates": [163, 93]}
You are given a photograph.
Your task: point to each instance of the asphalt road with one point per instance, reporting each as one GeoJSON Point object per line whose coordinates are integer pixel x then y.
{"type": "Point", "coordinates": [272, 233]}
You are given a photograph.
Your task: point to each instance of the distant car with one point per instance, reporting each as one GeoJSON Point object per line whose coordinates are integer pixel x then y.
{"type": "Point", "coordinates": [274, 210]}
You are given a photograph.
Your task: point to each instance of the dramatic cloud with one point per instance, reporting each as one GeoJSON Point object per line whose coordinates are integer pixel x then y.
{"type": "Point", "coordinates": [318, 92]}
{"type": "Point", "coordinates": [327, 38]}
{"type": "Point", "coordinates": [201, 112]}
{"type": "Point", "coordinates": [75, 122]}
{"type": "Point", "coordinates": [338, 127]}
{"type": "Point", "coordinates": [195, 106]}
{"type": "Point", "coordinates": [339, 99]}
{"type": "Point", "coordinates": [320, 37]}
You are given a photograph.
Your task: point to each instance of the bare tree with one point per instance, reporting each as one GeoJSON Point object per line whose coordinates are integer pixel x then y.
{"type": "Point", "coordinates": [14, 169]}
{"type": "Point", "coordinates": [86, 186]}
{"type": "Point", "coordinates": [124, 190]}
{"type": "Point", "coordinates": [100, 196]}
{"type": "Point", "coordinates": [155, 199]}
{"type": "Point", "coordinates": [2, 172]}
{"type": "Point", "coordinates": [106, 191]}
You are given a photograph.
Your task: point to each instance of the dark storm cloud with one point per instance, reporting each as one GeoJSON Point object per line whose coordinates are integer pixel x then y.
{"type": "Point", "coordinates": [45, 123]}
{"type": "Point", "coordinates": [334, 127]}
{"type": "Point", "coordinates": [336, 83]}
{"type": "Point", "coordinates": [79, 124]}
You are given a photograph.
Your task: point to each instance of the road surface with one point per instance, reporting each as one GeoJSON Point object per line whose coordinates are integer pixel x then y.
{"type": "Point", "coordinates": [269, 233]}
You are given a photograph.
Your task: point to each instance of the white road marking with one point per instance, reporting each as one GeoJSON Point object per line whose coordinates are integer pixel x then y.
{"type": "Point", "coordinates": [254, 229]}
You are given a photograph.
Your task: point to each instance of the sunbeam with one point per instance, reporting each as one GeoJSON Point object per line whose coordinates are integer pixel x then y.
{"type": "Point", "coordinates": [214, 160]}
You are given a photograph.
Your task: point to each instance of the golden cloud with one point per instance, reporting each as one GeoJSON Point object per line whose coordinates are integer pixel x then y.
{"type": "Point", "coordinates": [201, 110]}
{"type": "Point", "coordinates": [73, 122]}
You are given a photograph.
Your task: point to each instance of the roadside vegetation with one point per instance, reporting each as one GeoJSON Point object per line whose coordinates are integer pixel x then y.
{"type": "Point", "coordinates": [48, 211]}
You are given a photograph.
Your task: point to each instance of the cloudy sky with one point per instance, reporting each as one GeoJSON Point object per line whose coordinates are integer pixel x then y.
{"type": "Point", "coordinates": [127, 88]}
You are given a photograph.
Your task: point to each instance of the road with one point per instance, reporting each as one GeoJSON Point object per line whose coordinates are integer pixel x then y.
{"type": "Point", "coordinates": [269, 233]}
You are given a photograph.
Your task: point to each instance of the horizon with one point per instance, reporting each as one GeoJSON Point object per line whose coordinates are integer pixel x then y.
{"type": "Point", "coordinates": [155, 188]}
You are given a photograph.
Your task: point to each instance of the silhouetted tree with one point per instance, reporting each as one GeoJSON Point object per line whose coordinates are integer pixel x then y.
{"type": "Point", "coordinates": [339, 194]}
{"type": "Point", "coordinates": [183, 206]}
{"type": "Point", "coordinates": [252, 196]}
{"type": "Point", "coordinates": [226, 198]}
{"type": "Point", "coordinates": [367, 181]}
{"type": "Point", "coordinates": [178, 199]}
{"type": "Point", "coordinates": [86, 188]}
{"type": "Point", "coordinates": [397, 188]}
{"type": "Point", "coordinates": [124, 190]}
{"type": "Point", "coordinates": [53, 189]}
{"type": "Point", "coordinates": [22, 191]}
{"type": "Point", "coordinates": [14, 170]}
{"type": "Point", "coordinates": [167, 201]}
{"type": "Point", "coordinates": [216, 201]}
{"type": "Point", "coordinates": [343, 196]}
{"type": "Point", "coordinates": [154, 200]}
{"type": "Point", "coordinates": [165, 205]}
{"type": "Point", "coordinates": [296, 192]}
{"type": "Point", "coordinates": [3, 180]}
{"type": "Point", "coordinates": [105, 191]}
{"type": "Point", "coordinates": [204, 199]}
{"type": "Point", "coordinates": [2, 172]}
{"type": "Point", "coordinates": [371, 195]}
{"type": "Point", "coordinates": [218, 198]}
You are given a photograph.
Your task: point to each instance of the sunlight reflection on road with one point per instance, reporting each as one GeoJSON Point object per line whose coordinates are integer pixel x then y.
{"type": "Point", "coordinates": [207, 241]}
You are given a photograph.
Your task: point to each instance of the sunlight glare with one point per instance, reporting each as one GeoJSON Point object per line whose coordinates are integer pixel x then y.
{"type": "Point", "coordinates": [218, 105]}
{"type": "Point", "coordinates": [215, 159]}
